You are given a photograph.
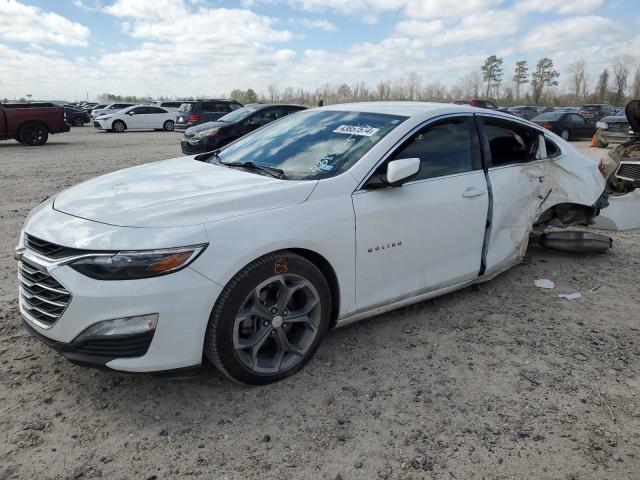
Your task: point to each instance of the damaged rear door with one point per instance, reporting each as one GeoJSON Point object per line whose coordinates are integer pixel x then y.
{"type": "Point", "coordinates": [519, 178]}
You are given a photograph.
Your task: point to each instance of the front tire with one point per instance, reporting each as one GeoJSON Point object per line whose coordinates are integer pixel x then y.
{"type": "Point", "coordinates": [34, 134]}
{"type": "Point", "coordinates": [118, 126]}
{"type": "Point", "coordinates": [168, 126]}
{"type": "Point", "coordinates": [566, 134]}
{"type": "Point", "coordinates": [269, 320]}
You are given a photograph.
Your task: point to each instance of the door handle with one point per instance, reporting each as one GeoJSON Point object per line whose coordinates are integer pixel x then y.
{"type": "Point", "coordinates": [473, 192]}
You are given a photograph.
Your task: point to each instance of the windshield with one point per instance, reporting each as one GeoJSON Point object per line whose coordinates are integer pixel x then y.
{"type": "Point", "coordinates": [237, 115]}
{"type": "Point", "coordinates": [312, 144]}
{"type": "Point", "coordinates": [548, 117]}
{"type": "Point", "coordinates": [185, 107]}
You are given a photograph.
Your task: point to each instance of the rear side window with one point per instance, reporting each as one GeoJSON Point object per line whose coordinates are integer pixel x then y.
{"type": "Point", "coordinates": [577, 119]}
{"type": "Point", "coordinates": [510, 142]}
{"type": "Point", "coordinates": [444, 148]}
{"type": "Point", "coordinates": [170, 104]}
{"type": "Point", "coordinates": [185, 107]}
{"type": "Point", "coordinates": [552, 149]}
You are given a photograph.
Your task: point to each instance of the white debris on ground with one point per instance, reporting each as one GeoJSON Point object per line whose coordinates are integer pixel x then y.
{"type": "Point", "coordinates": [571, 296]}
{"type": "Point", "coordinates": [544, 283]}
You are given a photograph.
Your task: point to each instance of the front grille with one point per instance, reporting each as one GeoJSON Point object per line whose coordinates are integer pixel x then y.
{"type": "Point", "coordinates": [118, 346]}
{"type": "Point", "coordinates": [48, 249]}
{"type": "Point", "coordinates": [41, 295]}
{"type": "Point", "coordinates": [629, 171]}
{"type": "Point", "coordinates": [96, 124]}
{"type": "Point", "coordinates": [619, 127]}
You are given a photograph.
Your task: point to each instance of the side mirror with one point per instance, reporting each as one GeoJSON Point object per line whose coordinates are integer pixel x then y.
{"type": "Point", "coordinates": [402, 170]}
{"type": "Point", "coordinates": [132, 112]}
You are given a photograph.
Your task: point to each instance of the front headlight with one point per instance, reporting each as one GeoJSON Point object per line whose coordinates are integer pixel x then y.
{"type": "Point", "coordinates": [134, 265]}
{"type": "Point", "coordinates": [602, 125]}
{"type": "Point", "coordinates": [105, 117]}
{"type": "Point", "coordinates": [207, 133]}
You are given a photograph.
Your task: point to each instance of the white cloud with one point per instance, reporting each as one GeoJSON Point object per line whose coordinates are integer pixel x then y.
{"type": "Point", "coordinates": [571, 33]}
{"type": "Point", "coordinates": [25, 23]}
{"type": "Point", "coordinates": [559, 6]}
{"type": "Point", "coordinates": [412, 8]}
{"type": "Point", "coordinates": [320, 23]}
{"type": "Point", "coordinates": [472, 28]}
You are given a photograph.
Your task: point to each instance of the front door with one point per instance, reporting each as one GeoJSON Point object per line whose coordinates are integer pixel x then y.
{"type": "Point", "coordinates": [428, 233]}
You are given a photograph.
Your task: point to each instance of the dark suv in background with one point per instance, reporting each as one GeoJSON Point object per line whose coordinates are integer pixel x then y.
{"type": "Point", "coordinates": [195, 112]}
{"type": "Point", "coordinates": [595, 111]}
{"type": "Point", "coordinates": [212, 135]}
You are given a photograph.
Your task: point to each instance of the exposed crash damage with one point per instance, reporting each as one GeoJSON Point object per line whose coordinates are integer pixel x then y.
{"type": "Point", "coordinates": [563, 193]}
{"type": "Point", "coordinates": [621, 167]}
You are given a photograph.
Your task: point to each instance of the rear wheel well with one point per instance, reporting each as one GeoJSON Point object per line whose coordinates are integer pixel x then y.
{"type": "Point", "coordinates": [565, 214]}
{"type": "Point", "coordinates": [330, 275]}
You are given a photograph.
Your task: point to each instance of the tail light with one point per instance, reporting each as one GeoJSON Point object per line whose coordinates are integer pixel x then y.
{"type": "Point", "coordinates": [474, 103]}
{"type": "Point", "coordinates": [193, 118]}
{"type": "Point", "coordinates": [547, 125]}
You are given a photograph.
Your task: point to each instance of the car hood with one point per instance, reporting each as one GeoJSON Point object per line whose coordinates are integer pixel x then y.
{"type": "Point", "coordinates": [178, 192]}
{"type": "Point", "coordinates": [632, 111]}
{"type": "Point", "coordinates": [205, 126]}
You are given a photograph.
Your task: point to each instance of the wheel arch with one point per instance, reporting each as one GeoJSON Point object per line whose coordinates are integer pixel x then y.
{"type": "Point", "coordinates": [329, 274]}
{"type": "Point", "coordinates": [119, 120]}
{"type": "Point", "coordinates": [565, 214]}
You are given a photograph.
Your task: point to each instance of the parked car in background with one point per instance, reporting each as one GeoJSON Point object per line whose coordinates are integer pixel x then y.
{"type": "Point", "coordinates": [76, 117]}
{"type": "Point", "coordinates": [137, 117]}
{"type": "Point", "coordinates": [544, 109]}
{"type": "Point", "coordinates": [88, 106]}
{"type": "Point", "coordinates": [566, 109]}
{"type": "Point", "coordinates": [613, 129]}
{"type": "Point", "coordinates": [526, 112]}
{"type": "Point", "coordinates": [31, 123]}
{"type": "Point", "coordinates": [195, 112]}
{"type": "Point", "coordinates": [212, 135]}
{"type": "Point", "coordinates": [595, 111]}
{"type": "Point", "coordinates": [110, 108]}
{"type": "Point", "coordinates": [567, 125]}
{"type": "Point", "coordinates": [171, 106]}
{"type": "Point", "coordinates": [476, 102]}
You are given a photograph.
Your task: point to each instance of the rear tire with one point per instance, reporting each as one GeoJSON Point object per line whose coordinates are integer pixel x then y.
{"type": "Point", "coordinates": [118, 126]}
{"type": "Point", "coordinates": [78, 122]}
{"type": "Point", "coordinates": [566, 134]}
{"type": "Point", "coordinates": [269, 320]}
{"type": "Point", "coordinates": [168, 126]}
{"type": "Point", "coordinates": [34, 134]}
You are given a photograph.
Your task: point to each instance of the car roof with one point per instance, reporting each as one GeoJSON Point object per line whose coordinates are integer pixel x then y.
{"type": "Point", "coordinates": [407, 109]}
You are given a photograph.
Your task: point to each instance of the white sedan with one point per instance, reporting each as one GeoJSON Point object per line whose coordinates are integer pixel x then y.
{"type": "Point", "coordinates": [137, 117]}
{"type": "Point", "coordinates": [250, 254]}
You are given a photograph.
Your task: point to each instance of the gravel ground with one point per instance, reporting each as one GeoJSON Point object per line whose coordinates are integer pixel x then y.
{"type": "Point", "coordinates": [498, 381]}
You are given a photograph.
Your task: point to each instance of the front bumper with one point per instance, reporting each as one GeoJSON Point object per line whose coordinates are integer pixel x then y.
{"type": "Point", "coordinates": [192, 146]}
{"type": "Point", "coordinates": [98, 352]}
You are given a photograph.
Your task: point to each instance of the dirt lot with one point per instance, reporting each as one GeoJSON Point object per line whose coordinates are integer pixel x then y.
{"type": "Point", "coordinates": [498, 381]}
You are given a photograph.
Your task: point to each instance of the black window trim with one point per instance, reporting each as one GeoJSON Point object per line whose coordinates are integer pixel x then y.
{"type": "Point", "coordinates": [407, 137]}
{"type": "Point", "coordinates": [487, 151]}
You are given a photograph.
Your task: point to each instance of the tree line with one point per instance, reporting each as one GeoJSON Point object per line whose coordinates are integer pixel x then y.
{"type": "Point", "coordinates": [537, 85]}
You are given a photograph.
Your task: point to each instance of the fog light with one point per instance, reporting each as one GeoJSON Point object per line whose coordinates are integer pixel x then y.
{"type": "Point", "coordinates": [121, 326]}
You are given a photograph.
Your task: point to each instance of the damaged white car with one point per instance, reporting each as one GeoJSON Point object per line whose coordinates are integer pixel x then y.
{"type": "Point", "coordinates": [247, 256]}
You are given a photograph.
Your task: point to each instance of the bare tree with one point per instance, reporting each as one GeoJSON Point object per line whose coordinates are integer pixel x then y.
{"type": "Point", "coordinates": [413, 86]}
{"type": "Point", "coordinates": [383, 89]}
{"type": "Point", "coordinates": [603, 83]}
{"type": "Point", "coordinates": [273, 92]}
{"type": "Point", "coordinates": [577, 76]}
{"type": "Point", "coordinates": [621, 68]}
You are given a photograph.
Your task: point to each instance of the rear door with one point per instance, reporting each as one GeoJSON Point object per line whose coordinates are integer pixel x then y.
{"type": "Point", "coordinates": [155, 117]}
{"type": "Point", "coordinates": [520, 184]}
{"type": "Point", "coordinates": [427, 234]}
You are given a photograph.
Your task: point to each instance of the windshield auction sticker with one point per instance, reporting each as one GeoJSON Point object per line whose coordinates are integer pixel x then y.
{"type": "Point", "coordinates": [363, 131]}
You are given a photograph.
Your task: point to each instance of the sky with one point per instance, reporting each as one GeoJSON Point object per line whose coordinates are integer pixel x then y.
{"type": "Point", "coordinates": [78, 49]}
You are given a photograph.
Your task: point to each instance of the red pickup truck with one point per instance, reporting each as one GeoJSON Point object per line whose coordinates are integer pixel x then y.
{"type": "Point", "coordinates": [31, 123]}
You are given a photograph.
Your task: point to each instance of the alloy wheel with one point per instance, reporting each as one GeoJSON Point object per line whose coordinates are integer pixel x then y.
{"type": "Point", "coordinates": [277, 324]}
